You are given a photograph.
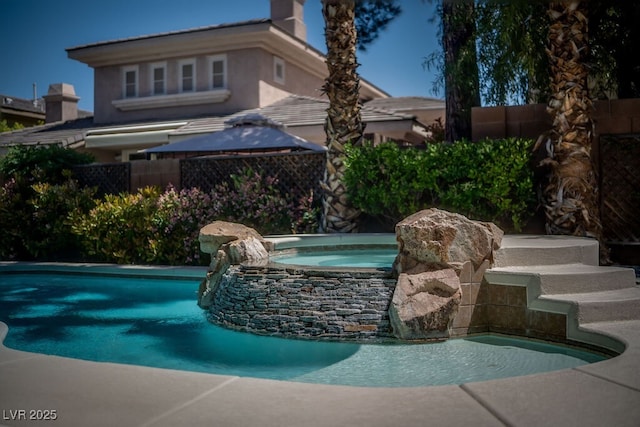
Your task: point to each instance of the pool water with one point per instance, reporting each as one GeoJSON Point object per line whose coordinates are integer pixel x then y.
{"type": "Point", "coordinates": [156, 322]}
{"type": "Point", "coordinates": [370, 258]}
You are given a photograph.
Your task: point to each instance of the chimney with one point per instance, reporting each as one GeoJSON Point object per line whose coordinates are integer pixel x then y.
{"type": "Point", "coordinates": [61, 103]}
{"type": "Point", "coordinates": [289, 15]}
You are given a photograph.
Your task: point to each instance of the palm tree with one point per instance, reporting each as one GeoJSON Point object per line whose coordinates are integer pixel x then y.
{"type": "Point", "coordinates": [571, 197]}
{"type": "Point", "coordinates": [343, 123]}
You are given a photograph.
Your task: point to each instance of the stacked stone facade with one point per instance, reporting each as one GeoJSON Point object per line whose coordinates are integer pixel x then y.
{"type": "Point", "coordinates": [305, 303]}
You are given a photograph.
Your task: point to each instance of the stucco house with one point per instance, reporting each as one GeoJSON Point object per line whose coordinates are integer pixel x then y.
{"type": "Point", "coordinates": [161, 88]}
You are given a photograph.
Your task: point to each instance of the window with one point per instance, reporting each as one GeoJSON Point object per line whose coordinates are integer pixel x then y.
{"type": "Point", "coordinates": [130, 82]}
{"type": "Point", "coordinates": [278, 70]}
{"type": "Point", "coordinates": [158, 76]}
{"type": "Point", "coordinates": [187, 76]}
{"type": "Point", "coordinates": [218, 72]}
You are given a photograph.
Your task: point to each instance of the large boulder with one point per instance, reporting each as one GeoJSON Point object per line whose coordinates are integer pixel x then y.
{"type": "Point", "coordinates": [245, 243]}
{"type": "Point", "coordinates": [437, 237]}
{"type": "Point", "coordinates": [437, 250]}
{"type": "Point", "coordinates": [425, 304]}
{"type": "Point", "coordinates": [228, 243]}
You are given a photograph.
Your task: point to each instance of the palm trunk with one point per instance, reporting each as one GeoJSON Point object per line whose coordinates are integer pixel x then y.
{"type": "Point", "coordinates": [343, 124]}
{"type": "Point", "coordinates": [571, 197]}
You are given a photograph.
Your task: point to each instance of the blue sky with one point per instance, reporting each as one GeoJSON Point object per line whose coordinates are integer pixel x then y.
{"type": "Point", "coordinates": [35, 33]}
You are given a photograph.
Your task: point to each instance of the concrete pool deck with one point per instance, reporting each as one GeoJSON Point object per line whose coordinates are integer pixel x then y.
{"type": "Point", "coordinates": [82, 393]}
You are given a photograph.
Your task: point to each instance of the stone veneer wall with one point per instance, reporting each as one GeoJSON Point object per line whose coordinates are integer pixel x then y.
{"type": "Point", "coordinates": [353, 305]}
{"type": "Point", "coordinates": [305, 303]}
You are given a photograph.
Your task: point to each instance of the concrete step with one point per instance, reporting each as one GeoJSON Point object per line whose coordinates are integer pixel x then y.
{"type": "Point", "coordinates": [606, 306]}
{"type": "Point", "coordinates": [564, 278]}
{"type": "Point", "coordinates": [522, 250]}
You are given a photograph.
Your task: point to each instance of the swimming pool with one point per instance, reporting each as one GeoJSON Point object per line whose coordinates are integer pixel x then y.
{"type": "Point", "coordinates": [156, 322]}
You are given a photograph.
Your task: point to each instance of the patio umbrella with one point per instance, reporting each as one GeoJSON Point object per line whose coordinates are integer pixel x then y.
{"type": "Point", "coordinates": [251, 132]}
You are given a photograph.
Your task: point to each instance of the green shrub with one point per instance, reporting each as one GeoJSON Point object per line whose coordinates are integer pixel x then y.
{"type": "Point", "coordinates": [119, 228]}
{"type": "Point", "coordinates": [36, 199]}
{"type": "Point", "coordinates": [488, 180]}
{"type": "Point", "coordinates": [50, 234]}
{"type": "Point", "coordinates": [14, 213]}
{"type": "Point", "coordinates": [41, 163]}
{"type": "Point", "coordinates": [39, 227]}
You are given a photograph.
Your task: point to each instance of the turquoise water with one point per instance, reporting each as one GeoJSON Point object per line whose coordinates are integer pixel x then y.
{"type": "Point", "coordinates": [370, 258]}
{"type": "Point", "coordinates": [155, 322]}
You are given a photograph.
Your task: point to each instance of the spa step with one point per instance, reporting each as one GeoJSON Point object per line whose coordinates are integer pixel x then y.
{"type": "Point", "coordinates": [521, 250]}
{"type": "Point", "coordinates": [564, 278]}
{"type": "Point", "coordinates": [616, 305]}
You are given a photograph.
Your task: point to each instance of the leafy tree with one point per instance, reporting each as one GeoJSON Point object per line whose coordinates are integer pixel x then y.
{"type": "Point", "coordinates": [41, 163]}
{"type": "Point", "coordinates": [512, 60]}
{"type": "Point", "coordinates": [5, 127]}
{"type": "Point", "coordinates": [614, 39]}
{"type": "Point", "coordinates": [461, 93]}
{"type": "Point", "coordinates": [457, 66]}
{"type": "Point", "coordinates": [513, 65]}
{"type": "Point", "coordinates": [372, 17]}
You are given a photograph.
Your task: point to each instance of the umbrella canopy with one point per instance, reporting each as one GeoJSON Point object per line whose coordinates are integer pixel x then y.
{"type": "Point", "coordinates": [252, 132]}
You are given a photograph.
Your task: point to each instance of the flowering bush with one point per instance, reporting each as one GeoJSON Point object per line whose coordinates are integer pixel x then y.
{"type": "Point", "coordinates": [255, 202]}
{"type": "Point", "coordinates": [163, 228]}
{"type": "Point", "coordinates": [177, 223]}
{"type": "Point", "coordinates": [306, 215]}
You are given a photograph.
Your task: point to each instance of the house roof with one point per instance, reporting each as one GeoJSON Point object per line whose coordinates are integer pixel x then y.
{"type": "Point", "coordinates": [406, 103]}
{"type": "Point", "coordinates": [170, 33]}
{"type": "Point", "coordinates": [65, 134]}
{"type": "Point", "coordinates": [295, 110]}
{"type": "Point", "coordinates": [20, 104]}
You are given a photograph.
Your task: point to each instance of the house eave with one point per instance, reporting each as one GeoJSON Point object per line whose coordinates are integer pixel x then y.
{"type": "Point", "coordinates": [144, 135]}
{"type": "Point", "coordinates": [172, 100]}
{"type": "Point", "coordinates": [189, 43]}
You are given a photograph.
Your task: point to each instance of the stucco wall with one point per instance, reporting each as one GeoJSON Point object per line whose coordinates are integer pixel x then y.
{"type": "Point", "coordinates": [617, 116]}
{"type": "Point", "coordinates": [243, 69]}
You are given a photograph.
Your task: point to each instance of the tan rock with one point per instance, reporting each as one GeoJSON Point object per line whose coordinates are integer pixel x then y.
{"type": "Point", "coordinates": [425, 304]}
{"type": "Point", "coordinates": [218, 233]}
{"type": "Point", "coordinates": [438, 250]}
{"type": "Point", "coordinates": [437, 236]}
{"type": "Point", "coordinates": [228, 243]}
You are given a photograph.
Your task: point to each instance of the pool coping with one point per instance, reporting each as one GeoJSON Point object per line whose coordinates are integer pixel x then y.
{"type": "Point", "coordinates": [94, 393]}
